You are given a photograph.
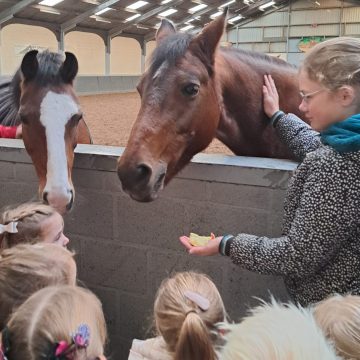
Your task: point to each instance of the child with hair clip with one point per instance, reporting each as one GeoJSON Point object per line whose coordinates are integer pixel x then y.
{"type": "Point", "coordinates": [339, 319]}
{"type": "Point", "coordinates": [31, 222]}
{"type": "Point", "coordinates": [276, 332]}
{"type": "Point", "coordinates": [56, 323]}
{"type": "Point", "coordinates": [186, 309]}
{"type": "Point", "coordinates": [26, 268]}
{"type": "Point", "coordinates": [318, 251]}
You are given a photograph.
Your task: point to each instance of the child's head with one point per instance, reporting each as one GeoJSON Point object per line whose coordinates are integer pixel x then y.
{"type": "Point", "coordinates": [339, 319]}
{"type": "Point", "coordinates": [26, 268]}
{"type": "Point", "coordinates": [334, 63]}
{"type": "Point", "coordinates": [186, 309]}
{"type": "Point", "coordinates": [329, 79]}
{"type": "Point", "coordinates": [276, 332]}
{"type": "Point", "coordinates": [36, 222]}
{"type": "Point", "coordinates": [48, 321]}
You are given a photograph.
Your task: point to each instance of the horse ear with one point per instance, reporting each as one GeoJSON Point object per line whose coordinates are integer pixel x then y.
{"type": "Point", "coordinates": [29, 65]}
{"type": "Point", "coordinates": [69, 68]}
{"type": "Point", "coordinates": [210, 36]}
{"type": "Point", "coordinates": [166, 28]}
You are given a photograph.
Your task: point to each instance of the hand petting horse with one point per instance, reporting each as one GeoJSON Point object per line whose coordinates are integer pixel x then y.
{"type": "Point", "coordinates": [41, 97]}
{"type": "Point", "coordinates": [193, 92]}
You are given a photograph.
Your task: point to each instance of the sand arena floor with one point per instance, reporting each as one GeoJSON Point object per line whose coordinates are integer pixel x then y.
{"type": "Point", "coordinates": [110, 118]}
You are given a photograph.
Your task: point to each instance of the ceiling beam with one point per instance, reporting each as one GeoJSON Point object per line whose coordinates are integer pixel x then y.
{"type": "Point", "coordinates": [44, 24]}
{"type": "Point", "coordinates": [67, 25]}
{"type": "Point", "coordinates": [9, 13]}
{"type": "Point", "coordinates": [198, 13]}
{"type": "Point", "coordinates": [150, 36]}
{"type": "Point", "coordinates": [260, 14]}
{"type": "Point", "coordinates": [119, 29]}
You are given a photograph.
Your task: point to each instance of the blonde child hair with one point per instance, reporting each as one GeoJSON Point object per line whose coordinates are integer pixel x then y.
{"type": "Point", "coordinates": [339, 319]}
{"type": "Point", "coordinates": [188, 330]}
{"type": "Point", "coordinates": [26, 268]}
{"type": "Point", "coordinates": [48, 326]}
{"type": "Point", "coordinates": [276, 332]}
{"type": "Point", "coordinates": [334, 63]}
{"type": "Point", "coordinates": [29, 217]}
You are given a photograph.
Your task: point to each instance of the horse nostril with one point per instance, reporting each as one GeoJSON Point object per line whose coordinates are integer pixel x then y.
{"type": "Point", "coordinates": [143, 172]}
{"type": "Point", "coordinates": [71, 203]}
{"type": "Point", "coordinates": [45, 197]}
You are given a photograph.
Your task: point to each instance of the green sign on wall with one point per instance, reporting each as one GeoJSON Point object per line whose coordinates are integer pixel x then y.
{"type": "Point", "coordinates": [306, 43]}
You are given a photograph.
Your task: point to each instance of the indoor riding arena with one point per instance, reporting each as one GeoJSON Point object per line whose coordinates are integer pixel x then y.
{"type": "Point", "coordinates": [125, 236]}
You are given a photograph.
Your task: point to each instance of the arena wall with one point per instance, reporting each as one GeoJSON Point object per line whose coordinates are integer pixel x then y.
{"type": "Point", "coordinates": [90, 85]}
{"type": "Point", "coordinates": [125, 248]}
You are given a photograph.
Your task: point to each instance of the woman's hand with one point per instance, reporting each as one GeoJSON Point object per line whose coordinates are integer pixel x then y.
{"type": "Point", "coordinates": [271, 96]}
{"type": "Point", "coordinates": [212, 247]}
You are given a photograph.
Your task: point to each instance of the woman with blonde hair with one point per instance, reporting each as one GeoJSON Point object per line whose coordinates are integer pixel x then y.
{"type": "Point", "coordinates": [56, 323]}
{"type": "Point", "coordinates": [31, 223]}
{"type": "Point", "coordinates": [26, 268]}
{"type": "Point", "coordinates": [339, 319]}
{"type": "Point", "coordinates": [276, 332]}
{"type": "Point", "coordinates": [186, 309]}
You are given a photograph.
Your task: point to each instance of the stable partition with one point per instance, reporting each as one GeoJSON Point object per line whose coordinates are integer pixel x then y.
{"type": "Point", "coordinates": [125, 248]}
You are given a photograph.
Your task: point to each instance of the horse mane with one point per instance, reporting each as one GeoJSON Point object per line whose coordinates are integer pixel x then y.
{"type": "Point", "coordinates": [174, 47]}
{"type": "Point", "coordinates": [10, 91]}
{"type": "Point", "coordinates": [10, 100]}
{"type": "Point", "coordinates": [257, 58]}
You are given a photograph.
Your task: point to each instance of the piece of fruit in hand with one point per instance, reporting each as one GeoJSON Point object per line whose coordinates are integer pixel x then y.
{"type": "Point", "coordinates": [197, 240]}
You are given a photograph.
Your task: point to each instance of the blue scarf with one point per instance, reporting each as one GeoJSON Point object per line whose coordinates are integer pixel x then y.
{"type": "Point", "coordinates": [343, 136]}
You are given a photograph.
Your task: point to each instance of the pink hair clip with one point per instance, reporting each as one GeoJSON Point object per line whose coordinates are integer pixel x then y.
{"type": "Point", "coordinates": [61, 348]}
{"type": "Point", "coordinates": [79, 340]}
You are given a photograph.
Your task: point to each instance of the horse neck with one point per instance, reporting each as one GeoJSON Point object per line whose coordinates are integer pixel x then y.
{"type": "Point", "coordinates": [239, 81]}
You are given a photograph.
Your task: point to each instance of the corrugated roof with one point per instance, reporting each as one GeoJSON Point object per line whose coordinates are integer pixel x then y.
{"type": "Point", "coordinates": [70, 15]}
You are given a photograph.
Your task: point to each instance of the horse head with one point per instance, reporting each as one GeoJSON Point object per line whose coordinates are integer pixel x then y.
{"type": "Point", "coordinates": [50, 113]}
{"type": "Point", "coordinates": [178, 96]}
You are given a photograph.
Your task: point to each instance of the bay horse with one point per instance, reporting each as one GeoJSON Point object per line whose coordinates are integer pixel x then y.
{"type": "Point", "coordinates": [194, 91]}
{"type": "Point", "coordinates": [41, 97]}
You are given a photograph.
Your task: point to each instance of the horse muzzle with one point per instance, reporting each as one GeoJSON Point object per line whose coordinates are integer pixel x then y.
{"type": "Point", "coordinates": [142, 181]}
{"type": "Point", "coordinates": [62, 201]}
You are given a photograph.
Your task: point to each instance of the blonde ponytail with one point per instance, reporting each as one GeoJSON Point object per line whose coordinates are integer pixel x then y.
{"type": "Point", "coordinates": [194, 340]}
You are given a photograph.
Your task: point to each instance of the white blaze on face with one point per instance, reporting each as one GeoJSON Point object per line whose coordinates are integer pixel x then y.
{"type": "Point", "coordinates": [55, 111]}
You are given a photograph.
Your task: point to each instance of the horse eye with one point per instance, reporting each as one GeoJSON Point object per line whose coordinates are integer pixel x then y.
{"type": "Point", "coordinates": [191, 89]}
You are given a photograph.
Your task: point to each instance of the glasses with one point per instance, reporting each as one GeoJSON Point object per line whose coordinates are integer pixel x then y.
{"type": "Point", "coordinates": [307, 97]}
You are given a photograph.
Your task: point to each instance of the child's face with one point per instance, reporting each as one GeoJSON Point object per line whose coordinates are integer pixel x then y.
{"type": "Point", "coordinates": [52, 230]}
{"type": "Point", "coordinates": [324, 108]}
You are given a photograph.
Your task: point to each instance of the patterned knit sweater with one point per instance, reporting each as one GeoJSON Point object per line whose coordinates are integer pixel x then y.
{"type": "Point", "coordinates": [318, 253]}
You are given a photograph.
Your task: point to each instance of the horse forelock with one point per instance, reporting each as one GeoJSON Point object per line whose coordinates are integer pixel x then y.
{"type": "Point", "coordinates": [170, 50]}
{"type": "Point", "coordinates": [48, 70]}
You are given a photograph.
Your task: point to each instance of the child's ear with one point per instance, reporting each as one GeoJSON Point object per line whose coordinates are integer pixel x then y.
{"type": "Point", "coordinates": [347, 95]}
